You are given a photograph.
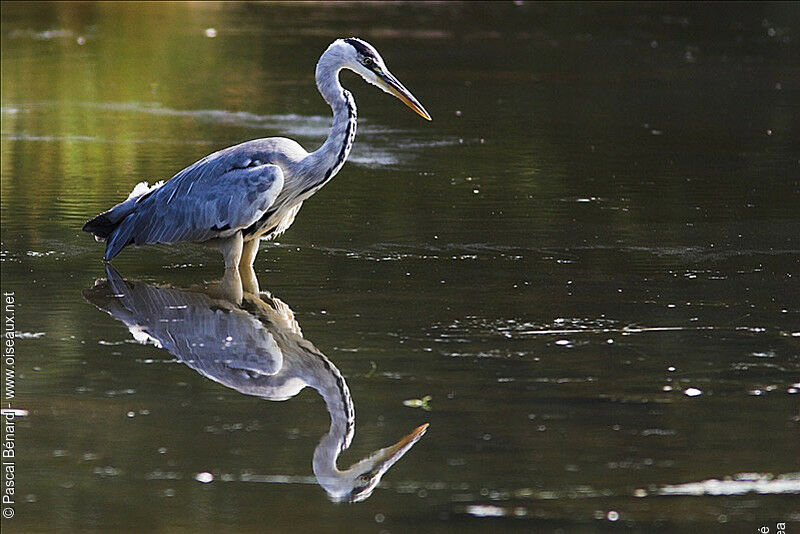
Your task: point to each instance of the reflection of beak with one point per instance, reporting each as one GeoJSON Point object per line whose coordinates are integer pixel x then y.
{"type": "Point", "coordinates": [384, 459]}
{"type": "Point", "coordinates": [393, 86]}
{"type": "Point", "coordinates": [394, 452]}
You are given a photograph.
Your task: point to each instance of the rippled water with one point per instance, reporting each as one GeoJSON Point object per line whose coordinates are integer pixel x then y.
{"type": "Point", "coordinates": [583, 274]}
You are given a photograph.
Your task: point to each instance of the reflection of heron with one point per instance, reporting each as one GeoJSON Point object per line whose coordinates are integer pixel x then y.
{"type": "Point", "coordinates": [233, 197]}
{"type": "Point", "coordinates": [256, 348]}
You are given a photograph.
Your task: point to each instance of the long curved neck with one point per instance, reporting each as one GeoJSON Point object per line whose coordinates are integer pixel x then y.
{"type": "Point", "coordinates": [336, 395]}
{"type": "Point", "coordinates": [324, 163]}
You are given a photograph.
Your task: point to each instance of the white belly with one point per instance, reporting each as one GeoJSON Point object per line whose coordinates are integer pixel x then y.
{"type": "Point", "coordinates": [278, 223]}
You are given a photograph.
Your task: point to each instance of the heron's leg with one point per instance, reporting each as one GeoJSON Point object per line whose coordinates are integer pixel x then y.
{"type": "Point", "coordinates": [231, 249]}
{"type": "Point", "coordinates": [249, 251]}
{"type": "Point", "coordinates": [249, 280]}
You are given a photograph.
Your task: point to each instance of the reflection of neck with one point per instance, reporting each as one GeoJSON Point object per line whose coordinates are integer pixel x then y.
{"type": "Point", "coordinates": [331, 385]}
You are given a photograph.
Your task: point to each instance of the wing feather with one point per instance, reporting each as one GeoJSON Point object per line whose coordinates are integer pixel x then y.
{"type": "Point", "coordinates": [215, 197]}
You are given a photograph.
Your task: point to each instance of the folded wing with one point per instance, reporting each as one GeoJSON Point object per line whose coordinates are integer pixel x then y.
{"type": "Point", "coordinates": [215, 197]}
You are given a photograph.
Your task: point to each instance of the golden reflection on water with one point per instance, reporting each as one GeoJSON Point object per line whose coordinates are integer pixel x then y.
{"type": "Point", "coordinates": [602, 217]}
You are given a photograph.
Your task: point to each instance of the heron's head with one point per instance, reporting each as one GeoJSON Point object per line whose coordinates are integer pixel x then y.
{"type": "Point", "coordinates": [359, 481]}
{"type": "Point", "coordinates": [362, 58]}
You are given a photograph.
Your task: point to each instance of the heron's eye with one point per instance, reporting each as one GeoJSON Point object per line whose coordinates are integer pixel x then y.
{"type": "Point", "coordinates": [368, 61]}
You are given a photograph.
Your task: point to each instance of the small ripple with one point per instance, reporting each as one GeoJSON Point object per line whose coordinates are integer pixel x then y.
{"type": "Point", "coordinates": [487, 510]}
{"type": "Point", "coordinates": [22, 136]}
{"type": "Point", "coordinates": [514, 328]}
{"type": "Point", "coordinates": [382, 147]}
{"type": "Point", "coordinates": [46, 35]}
{"type": "Point", "coordinates": [29, 335]}
{"type": "Point", "coordinates": [270, 479]}
{"type": "Point", "coordinates": [163, 475]}
{"type": "Point", "coordinates": [399, 252]}
{"type": "Point", "coordinates": [739, 484]}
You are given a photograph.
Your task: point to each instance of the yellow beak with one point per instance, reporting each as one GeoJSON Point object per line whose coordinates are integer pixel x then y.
{"type": "Point", "coordinates": [394, 87]}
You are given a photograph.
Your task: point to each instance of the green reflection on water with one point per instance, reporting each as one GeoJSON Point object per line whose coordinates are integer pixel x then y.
{"type": "Point", "coordinates": [609, 167]}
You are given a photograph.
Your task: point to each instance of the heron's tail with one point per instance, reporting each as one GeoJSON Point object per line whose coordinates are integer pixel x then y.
{"type": "Point", "coordinates": [108, 226]}
{"type": "Point", "coordinates": [105, 229]}
{"type": "Point", "coordinates": [100, 227]}
{"type": "Point", "coordinates": [121, 237]}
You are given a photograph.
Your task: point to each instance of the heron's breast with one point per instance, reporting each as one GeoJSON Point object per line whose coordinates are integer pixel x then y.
{"type": "Point", "coordinates": [277, 223]}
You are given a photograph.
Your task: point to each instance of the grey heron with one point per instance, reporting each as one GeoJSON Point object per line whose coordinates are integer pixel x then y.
{"type": "Point", "coordinates": [234, 197]}
{"type": "Point", "coordinates": [257, 348]}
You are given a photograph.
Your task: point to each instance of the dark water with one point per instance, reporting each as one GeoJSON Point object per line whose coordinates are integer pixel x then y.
{"type": "Point", "coordinates": [589, 260]}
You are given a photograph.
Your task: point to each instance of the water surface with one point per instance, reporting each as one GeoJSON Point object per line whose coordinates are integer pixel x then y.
{"type": "Point", "coordinates": [589, 261]}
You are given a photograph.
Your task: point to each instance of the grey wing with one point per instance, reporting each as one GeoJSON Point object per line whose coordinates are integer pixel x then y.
{"type": "Point", "coordinates": [215, 197]}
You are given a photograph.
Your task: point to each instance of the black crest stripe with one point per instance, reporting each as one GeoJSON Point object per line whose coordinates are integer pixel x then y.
{"type": "Point", "coordinates": [360, 46]}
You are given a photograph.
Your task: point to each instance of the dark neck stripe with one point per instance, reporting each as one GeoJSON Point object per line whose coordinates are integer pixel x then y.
{"type": "Point", "coordinates": [344, 398]}
{"type": "Point", "coordinates": [341, 386]}
{"type": "Point", "coordinates": [347, 143]}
